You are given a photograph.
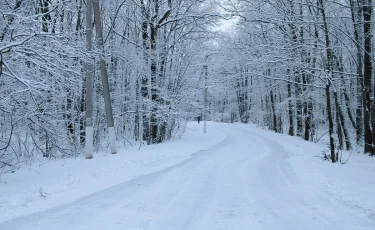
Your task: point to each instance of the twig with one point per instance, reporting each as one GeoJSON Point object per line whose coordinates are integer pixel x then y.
{"type": "Point", "coordinates": [351, 152]}
{"type": "Point", "coordinates": [2, 162]}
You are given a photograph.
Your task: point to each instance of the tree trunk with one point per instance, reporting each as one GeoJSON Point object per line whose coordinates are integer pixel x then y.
{"type": "Point", "coordinates": [46, 17]}
{"type": "Point", "coordinates": [338, 123]}
{"type": "Point", "coordinates": [329, 66]}
{"type": "Point", "coordinates": [279, 119]}
{"type": "Point", "coordinates": [290, 110]}
{"type": "Point", "coordinates": [367, 75]}
{"type": "Point", "coordinates": [330, 124]}
{"type": "Point", "coordinates": [205, 99]}
{"type": "Point", "coordinates": [89, 134]}
{"type": "Point", "coordinates": [274, 118]}
{"type": "Point", "coordinates": [356, 19]}
{"type": "Point", "coordinates": [104, 74]}
{"type": "Point", "coordinates": [154, 88]}
{"type": "Point", "coordinates": [298, 95]}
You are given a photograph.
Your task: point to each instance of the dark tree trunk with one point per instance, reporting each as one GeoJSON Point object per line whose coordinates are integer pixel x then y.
{"type": "Point", "coordinates": [307, 112]}
{"type": "Point", "coordinates": [348, 110]}
{"type": "Point", "coordinates": [137, 108]}
{"type": "Point", "coordinates": [329, 67]}
{"type": "Point", "coordinates": [146, 135]}
{"type": "Point", "coordinates": [338, 123]}
{"type": "Point", "coordinates": [345, 93]}
{"type": "Point", "coordinates": [290, 110]}
{"type": "Point", "coordinates": [299, 108]}
{"type": "Point", "coordinates": [279, 119]}
{"type": "Point", "coordinates": [154, 90]}
{"type": "Point", "coordinates": [307, 124]}
{"type": "Point", "coordinates": [70, 119]}
{"type": "Point", "coordinates": [343, 123]}
{"type": "Point", "coordinates": [330, 124]}
{"type": "Point", "coordinates": [367, 75]}
{"type": "Point", "coordinates": [82, 135]}
{"type": "Point", "coordinates": [356, 14]}
{"type": "Point", "coordinates": [274, 118]}
{"type": "Point", "coordinates": [344, 128]}
{"type": "Point", "coordinates": [46, 17]}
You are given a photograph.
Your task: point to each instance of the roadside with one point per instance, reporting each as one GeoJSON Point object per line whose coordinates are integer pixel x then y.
{"type": "Point", "coordinates": [39, 187]}
{"type": "Point", "coordinates": [351, 184]}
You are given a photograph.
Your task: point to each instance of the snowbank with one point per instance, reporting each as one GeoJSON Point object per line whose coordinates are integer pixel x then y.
{"type": "Point", "coordinates": [39, 187]}
{"type": "Point", "coordinates": [351, 183]}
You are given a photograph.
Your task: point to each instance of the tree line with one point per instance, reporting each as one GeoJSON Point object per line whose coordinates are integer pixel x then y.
{"type": "Point", "coordinates": [303, 67]}
{"type": "Point", "coordinates": [127, 67]}
{"type": "Point", "coordinates": [102, 74]}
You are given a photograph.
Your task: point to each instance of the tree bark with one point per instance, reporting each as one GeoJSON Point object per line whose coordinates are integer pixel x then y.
{"type": "Point", "coordinates": [290, 109]}
{"type": "Point", "coordinates": [356, 15]}
{"type": "Point", "coordinates": [329, 66]}
{"type": "Point", "coordinates": [104, 74]}
{"type": "Point", "coordinates": [367, 75]}
{"type": "Point", "coordinates": [89, 133]}
{"type": "Point", "coordinates": [330, 124]}
{"type": "Point", "coordinates": [338, 123]}
{"type": "Point", "coordinates": [274, 118]}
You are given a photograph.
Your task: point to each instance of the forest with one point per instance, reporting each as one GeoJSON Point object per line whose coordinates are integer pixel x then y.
{"type": "Point", "coordinates": [82, 76]}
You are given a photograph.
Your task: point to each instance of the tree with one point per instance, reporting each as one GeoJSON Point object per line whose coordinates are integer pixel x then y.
{"type": "Point", "coordinates": [302, 51]}
{"type": "Point", "coordinates": [89, 84]}
{"type": "Point", "coordinates": [104, 75]}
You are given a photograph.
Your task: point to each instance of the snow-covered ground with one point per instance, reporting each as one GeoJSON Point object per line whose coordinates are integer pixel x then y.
{"type": "Point", "coordinates": [234, 177]}
{"type": "Point", "coordinates": [49, 184]}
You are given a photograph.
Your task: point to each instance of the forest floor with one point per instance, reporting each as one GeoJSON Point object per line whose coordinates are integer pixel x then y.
{"type": "Point", "coordinates": [234, 177]}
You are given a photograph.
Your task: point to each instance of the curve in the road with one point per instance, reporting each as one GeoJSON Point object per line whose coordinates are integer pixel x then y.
{"type": "Point", "coordinates": [244, 182]}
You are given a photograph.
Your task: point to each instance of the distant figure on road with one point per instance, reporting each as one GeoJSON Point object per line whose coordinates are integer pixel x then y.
{"type": "Point", "coordinates": [199, 119]}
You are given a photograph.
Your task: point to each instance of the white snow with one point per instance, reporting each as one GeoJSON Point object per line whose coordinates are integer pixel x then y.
{"type": "Point", "coordinates": [233, 177]}
{"type": "Point", "coordinates": [36, 188]}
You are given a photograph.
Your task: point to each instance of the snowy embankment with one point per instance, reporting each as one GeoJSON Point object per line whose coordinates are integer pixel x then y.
{"type": "Point", "coordinates": [351, 183]}
{"type": "Point", "coordinates": [42, 186]}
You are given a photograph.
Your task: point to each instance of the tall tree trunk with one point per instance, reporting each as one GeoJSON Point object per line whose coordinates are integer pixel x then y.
{"type": "Point", "coordinates": [104, 74]}
{"type": "Point", "coordinates": [330, 124]}
{"type": "Point", "coordinates": [274, 118]}
{"type": "Point", "coordinates": [345, 92]}
{"type": "Point", "coordinates": [344, 128]}
{"type": "Point", "coordinates": [290, 109]}
{"type": "Point", "coordinates": [367, 75]}
{"type": "Point", "coordinates": [154, 86]}
{"type": "Point", "coordinates": [356, 14]}
{"type": "Point", "coordinates": [89, 134]}
{"type": "Point", "coordinates": [82, 133]}
{"type": "Point", "coordinates": [46, 17]}
{"type": "Point", "coordinates": [348, 110]}
{"type": "Point", "coordinates": [205, 95]}
{"type": "Point", "coordinates": [279, 119]}
{"type": "Point", "coordinates": [157, 126]}
{"type": "Point", "coordinates": [338, 123]}
{"type": "Point", "coordinates": [298, 95]}
{"type": "Point", "coordinates": [79, 15]}
{"type": "Point", "coordinates": [306, 110]}
{"type": "Point", "coordinates": [329, 66]}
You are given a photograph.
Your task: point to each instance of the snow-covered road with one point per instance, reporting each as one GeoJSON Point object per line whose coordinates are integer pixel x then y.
{"type": "Point", "coordinates": [247, 181]}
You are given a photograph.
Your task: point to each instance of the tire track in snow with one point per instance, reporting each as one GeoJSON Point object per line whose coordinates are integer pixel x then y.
{"type": "Point", "coordinates": [103, 199]}
{"type": "Point", "coordinates": [287, 188]}
{"type": "Point", "coordinates": [244, 182]}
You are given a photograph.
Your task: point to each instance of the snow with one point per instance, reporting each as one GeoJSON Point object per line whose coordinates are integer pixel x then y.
{"type": "Point", "coordinates": [49, 184]}
{"type": "Point", "coordinates": [235, 176]}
